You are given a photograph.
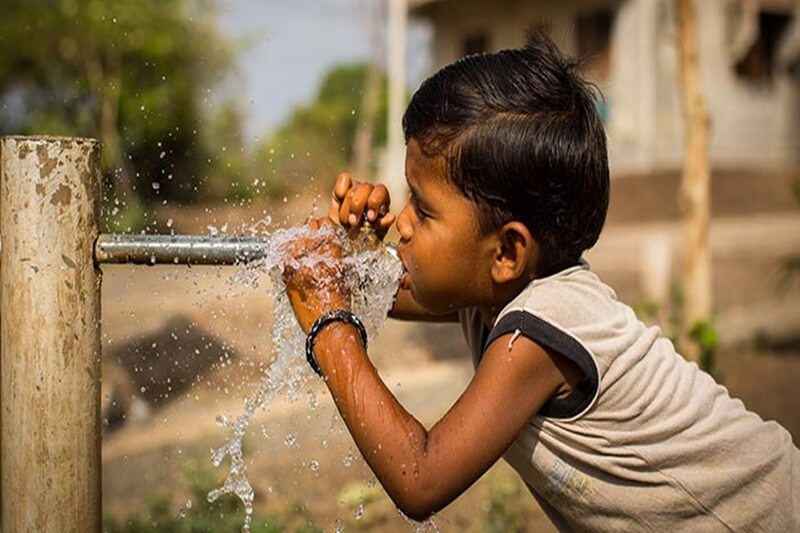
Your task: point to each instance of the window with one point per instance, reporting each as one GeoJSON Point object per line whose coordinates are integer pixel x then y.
{"type": "Point", "coordinates": [758, 64]}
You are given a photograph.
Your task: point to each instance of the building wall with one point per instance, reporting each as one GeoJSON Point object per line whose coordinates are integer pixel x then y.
{"type": "Point", "coordinates": [753, 124]}
{"type": "Point", "coordinates": [749, 120]}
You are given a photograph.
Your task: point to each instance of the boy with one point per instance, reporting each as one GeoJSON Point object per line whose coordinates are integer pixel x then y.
{"type": "Point", "coordinates": [607, 425]}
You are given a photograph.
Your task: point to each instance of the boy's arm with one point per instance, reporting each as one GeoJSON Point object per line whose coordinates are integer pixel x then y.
{"type": "Point", "coordinates": [423, 471]}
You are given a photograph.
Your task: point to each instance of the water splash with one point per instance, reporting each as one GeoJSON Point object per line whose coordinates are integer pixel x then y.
{"type": "Point", "coordinates": [372, 275]}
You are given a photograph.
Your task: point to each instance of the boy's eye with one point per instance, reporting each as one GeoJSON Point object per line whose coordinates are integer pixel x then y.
{"type": "Point", "coordinates": [418, 211]}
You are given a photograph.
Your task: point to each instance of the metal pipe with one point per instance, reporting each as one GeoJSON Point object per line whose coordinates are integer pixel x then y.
{"type": "Point", "coordinates": [178, 249]}
{"type": "Point", "coordinates": [113, 248]}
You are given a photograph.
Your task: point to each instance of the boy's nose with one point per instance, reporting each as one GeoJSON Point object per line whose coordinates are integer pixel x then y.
{"type": "Point", "coordinates": [404, 224]}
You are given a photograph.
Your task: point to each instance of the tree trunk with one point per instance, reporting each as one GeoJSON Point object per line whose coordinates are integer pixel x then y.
{"type": "Point", "coordinates": [362, 143]}
{"type": "Point", "coordinates": [105, 83]}
{"type": "Point", "coordinates": [365, 130]}
{"type": "Point", "coordinates": [695, 184]}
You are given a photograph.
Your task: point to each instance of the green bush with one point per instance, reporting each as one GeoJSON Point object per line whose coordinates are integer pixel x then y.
{"type": "Point", "coordinates": [504, 513]}
{"type": "Point", "coordinates": [197, 515]}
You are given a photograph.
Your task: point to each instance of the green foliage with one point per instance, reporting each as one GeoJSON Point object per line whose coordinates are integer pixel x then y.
{"type": "Point", "coordinates": [138, 74]}
{"type": "Point", "coordinates": [365, 503]}
{"type": "Point", "coordinates": [225, 514]}
{"type": "Point", "coordinates": [790, 264]}
{"type": "Point", "coordinates": [229, 168]}
{"type": "Point", "coordinates": [790, 270]}
{"type": "Point", "coordinates": [317, 139]}
{"type": "Point", "coordinates": [648, 310]}
{"type": "Point", "coordinates": [504, 513]}
{"type": "Point", "coordinates": [197, 515]}
{"type": "Point", "coordinates": [133, 73]}
{"type": "Point", "coordinates": [308, 527]}
{"type": "Point", "coordinates": [705, 335]}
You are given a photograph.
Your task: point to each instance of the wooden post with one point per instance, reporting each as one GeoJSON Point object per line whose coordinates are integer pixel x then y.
{"type": "Point", "coordinates": [396, 67]}
{"type": "Point", "coordinates": [695, 184]}
{"type": "Point", "coordinates": [50, 335]}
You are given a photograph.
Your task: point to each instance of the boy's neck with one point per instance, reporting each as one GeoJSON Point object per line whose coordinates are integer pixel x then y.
{"type": "Point", "coordinates": [504, 295]}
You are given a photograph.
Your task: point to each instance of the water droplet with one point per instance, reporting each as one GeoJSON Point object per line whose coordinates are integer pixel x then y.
{"type": "Point", "coordinates": [185, 508]}
{"type": "Point", "coordinates": [314, 465]}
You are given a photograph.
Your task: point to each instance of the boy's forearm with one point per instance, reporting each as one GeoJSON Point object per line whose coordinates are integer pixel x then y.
{"type": "Point", "coordinates": [391, 440]}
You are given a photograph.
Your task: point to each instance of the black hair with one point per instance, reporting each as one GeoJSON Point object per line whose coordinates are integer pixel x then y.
{"type": "Point", "coordinates": [521, 137]}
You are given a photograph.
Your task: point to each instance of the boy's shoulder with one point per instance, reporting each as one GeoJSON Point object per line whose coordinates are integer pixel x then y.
{"type": "Point", "coordinates": [570, 297]}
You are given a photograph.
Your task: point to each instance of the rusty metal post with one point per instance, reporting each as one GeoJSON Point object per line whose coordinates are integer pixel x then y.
{"type": "Point", "coordinates": [50, 334]}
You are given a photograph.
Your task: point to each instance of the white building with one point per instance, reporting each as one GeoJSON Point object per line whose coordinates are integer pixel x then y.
{"type": "Point", "coordinates": [749, 58]}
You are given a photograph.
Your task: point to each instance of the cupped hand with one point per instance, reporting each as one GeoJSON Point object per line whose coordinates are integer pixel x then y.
{"type": "Point", "coordinates": [314, 274]}
{"type": "Point", "coordinates": [353, 203]}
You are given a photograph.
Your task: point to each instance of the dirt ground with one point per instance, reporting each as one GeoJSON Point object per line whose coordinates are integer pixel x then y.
{"type": "Point", "coordinates": [192, 342]}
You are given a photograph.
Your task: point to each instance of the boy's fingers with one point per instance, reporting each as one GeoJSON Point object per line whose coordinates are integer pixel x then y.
{"type": "Point", "coordinates": [325, 221]}
{"type": "Point", "coordinates": [360, 197]}
{"type": "Point", "coordinates": [354, 204]}
{"type": "Point", "coordinates": [384, 224]}
{"type": "Point", "coordinates": [344, 209]}
{"type": "Point", "coordinates": [377, 202]}
{"type": "Point", "coordinates": [343, 184]}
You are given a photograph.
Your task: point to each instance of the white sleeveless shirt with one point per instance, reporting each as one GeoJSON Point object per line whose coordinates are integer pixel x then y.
{"type": "Point", "coordinates": [647, 441]}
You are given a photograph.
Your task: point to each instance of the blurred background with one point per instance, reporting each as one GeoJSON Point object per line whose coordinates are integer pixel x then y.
{"type": "Point", "coordinates": [234, 117]}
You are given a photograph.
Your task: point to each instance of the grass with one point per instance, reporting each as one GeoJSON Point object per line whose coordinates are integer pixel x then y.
{"type": "Point", "coordinates": [197, 515]}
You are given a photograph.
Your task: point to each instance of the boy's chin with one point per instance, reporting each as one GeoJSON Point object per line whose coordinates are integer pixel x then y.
{"type": "Point", "coordinates": [437, 307]}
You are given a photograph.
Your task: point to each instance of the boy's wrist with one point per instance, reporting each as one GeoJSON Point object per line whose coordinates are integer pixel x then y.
{"type": "Point", "coordinates": [336, 339]}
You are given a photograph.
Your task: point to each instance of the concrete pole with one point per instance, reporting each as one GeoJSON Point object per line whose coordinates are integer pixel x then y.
{"type": "Point", "coordinates": [50, 335]}
{"type": "Point", "coordinates": [395, 157]}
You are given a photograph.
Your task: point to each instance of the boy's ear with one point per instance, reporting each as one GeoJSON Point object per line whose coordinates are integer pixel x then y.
{"type": "Point", "coordinates": [517, 253]}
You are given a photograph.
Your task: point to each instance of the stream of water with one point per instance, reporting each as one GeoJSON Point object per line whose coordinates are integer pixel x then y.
{"type": "Point", "coordinates": [372, 275]}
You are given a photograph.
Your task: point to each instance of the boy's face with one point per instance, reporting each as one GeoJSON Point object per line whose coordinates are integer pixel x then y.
{"type": "Point", "coordinates": [448, 263]}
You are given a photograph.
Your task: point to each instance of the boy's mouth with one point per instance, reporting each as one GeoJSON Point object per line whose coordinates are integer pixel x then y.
{"type": "Point", "coordinates": [405, 277]}
{"type": "Point", "coordinates": [405, 280]}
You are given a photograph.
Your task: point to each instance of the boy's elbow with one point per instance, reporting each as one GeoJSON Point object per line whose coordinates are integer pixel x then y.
{"type": "Point", "coordinates": [415, 510]}
{"type": "Point", "coordinates": [418, 503]}
{"type": "Point", "coordinates": [419, 517]}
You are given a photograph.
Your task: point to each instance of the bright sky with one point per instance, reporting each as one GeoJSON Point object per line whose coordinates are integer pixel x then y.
{"type": "Point", "coordinates": [292, 43]}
